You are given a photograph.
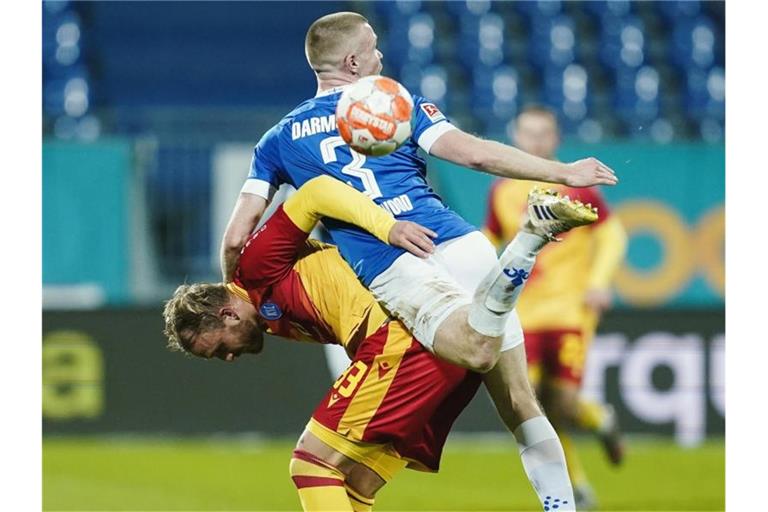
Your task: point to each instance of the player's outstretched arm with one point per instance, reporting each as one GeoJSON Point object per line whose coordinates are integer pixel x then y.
{"type": "Point", "coordinates": [495, 158]}
{"type": "Point", "coordinates": [248, 210]}
{"type": "Point", "coordinates": [328, 197]}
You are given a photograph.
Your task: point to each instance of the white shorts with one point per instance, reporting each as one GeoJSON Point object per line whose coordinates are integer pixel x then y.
{"type": "Point", "coordinates": [422, 293]}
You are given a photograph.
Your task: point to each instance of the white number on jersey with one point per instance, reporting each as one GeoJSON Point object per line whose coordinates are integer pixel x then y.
{"type": "Point", "coordinates": [354, 168]}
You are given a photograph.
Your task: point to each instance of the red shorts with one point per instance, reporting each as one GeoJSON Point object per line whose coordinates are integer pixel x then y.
{"type": "Point", "coordinates": [558, 354]}
{"type": "Point", "coordinates": [396, 392]}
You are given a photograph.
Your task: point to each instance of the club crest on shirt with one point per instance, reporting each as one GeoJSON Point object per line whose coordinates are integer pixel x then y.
{"type": "Point", "coordinates": [270, 311]}
{"type": "Point", "coordinates": [433, 113]}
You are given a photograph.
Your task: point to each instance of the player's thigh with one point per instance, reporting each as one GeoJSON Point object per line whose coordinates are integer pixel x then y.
{"type": "Point", "coordinates": [420, 293]}
{"type": "Point", "coordinates": [469, 259]}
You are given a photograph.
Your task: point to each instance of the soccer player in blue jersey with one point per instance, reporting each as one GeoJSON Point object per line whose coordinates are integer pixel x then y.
{"type": "Point", "coordinates": [458, 300]}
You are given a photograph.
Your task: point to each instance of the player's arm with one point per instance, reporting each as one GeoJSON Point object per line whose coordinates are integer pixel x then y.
{"type": "Point", "coordinates": [245, 216]}
{"type": "Point", "coordinates": [610, 245]}
{"type": "Point", "coordinates": [492, 227]}
{"type": "Point", "coordinates": [502, 160]}
{"type": "Point", "coordinates": [263, 180]}
{"type": "Point", "coordinates": [325, 196]}
{"type": "Point", "coordinates": [609, 240]}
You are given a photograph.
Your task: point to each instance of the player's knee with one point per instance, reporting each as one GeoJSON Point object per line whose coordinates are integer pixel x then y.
{"type": "Point", "coordinates": [304, 464]}
{"type": "Point", "coordinates": [483, 355]}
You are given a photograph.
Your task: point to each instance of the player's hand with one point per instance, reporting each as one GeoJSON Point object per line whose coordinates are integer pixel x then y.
{"type": "Point", "coordinates": [414, 238]}
{"type": "Point", "coordinates": [598, 299]}
{"type": "Point", "coordinates": [589, 171]}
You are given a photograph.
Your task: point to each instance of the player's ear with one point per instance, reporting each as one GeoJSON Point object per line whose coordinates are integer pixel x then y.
{"type": "Point", "coordinates": [351, 63]}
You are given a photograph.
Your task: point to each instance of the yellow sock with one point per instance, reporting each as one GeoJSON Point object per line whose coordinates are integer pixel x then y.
{"type": "Point", "coordinates": [575, 469]}
{"type": "Point", "coordinates": [320, 485]}
{"type": "Point", "coordinates": [359, 502]}
{"type": "Point", "coordinates": [590, 415]}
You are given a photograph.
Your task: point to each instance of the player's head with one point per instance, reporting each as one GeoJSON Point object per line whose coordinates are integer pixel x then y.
{"type": "Point", "coordinates": [536, 131]}
{"type": "Point", "coordinates": [207, 321]}
{"type": "Point", "coordinates": [343, 43]}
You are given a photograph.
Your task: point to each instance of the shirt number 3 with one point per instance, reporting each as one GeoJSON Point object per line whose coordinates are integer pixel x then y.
{"type": "Point", "coordinates": [354, 168]}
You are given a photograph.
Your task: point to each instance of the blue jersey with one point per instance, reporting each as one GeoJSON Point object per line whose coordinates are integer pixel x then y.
{"type": "Point", "coordinates": [306, 144]}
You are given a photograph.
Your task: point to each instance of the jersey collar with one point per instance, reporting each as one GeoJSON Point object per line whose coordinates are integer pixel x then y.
{"type": "Point", "coordinates": [328, 92]}
{"type": "Point", "coordinates": [236, 290]}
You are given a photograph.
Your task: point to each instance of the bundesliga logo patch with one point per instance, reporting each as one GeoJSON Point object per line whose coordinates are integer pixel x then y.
{"type": "Point", "coordinates": [433, 113]}
{"type": "Point", "coordinates": [270, 311]}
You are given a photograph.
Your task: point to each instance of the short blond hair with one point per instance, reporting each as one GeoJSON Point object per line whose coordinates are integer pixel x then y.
{"type": "Point", "coordinates": [193, 308]}
{"type": "Point", "coordinates": [329, 37]}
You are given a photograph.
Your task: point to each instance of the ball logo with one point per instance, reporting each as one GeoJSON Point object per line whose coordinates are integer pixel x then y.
{"type": "Point", "coordinates": [270, 311]}
{"type": "Point", "coordinates": [380, 128]}
{"type": "Point", "coordinates": [433, 113]}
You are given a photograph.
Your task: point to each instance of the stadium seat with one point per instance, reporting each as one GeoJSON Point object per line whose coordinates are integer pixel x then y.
{"type": "Point", "coordinates": [673, 11]}
{"type": "Point", "coordinates": [695, 43]}
{"type": "Point", "coordinates": [637, 96]}
{"type": "Point", "coordinates": [552, 42]}
{"type": "Point", "coordinates": [622, 44]}
{"type": "Point", "coordinates": [496, 93]}
{"type": "Point", "coordinates": [411, 40]}
{"type": "Point", "coordinates": [481, 41]}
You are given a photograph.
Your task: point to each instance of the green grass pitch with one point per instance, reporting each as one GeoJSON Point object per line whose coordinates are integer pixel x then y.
{"type": "Point", "coordinates": [230, 474]}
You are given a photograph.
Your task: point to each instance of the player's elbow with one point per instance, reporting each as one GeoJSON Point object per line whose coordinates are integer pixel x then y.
{"type": "Point", "coordinates": [233, 241]}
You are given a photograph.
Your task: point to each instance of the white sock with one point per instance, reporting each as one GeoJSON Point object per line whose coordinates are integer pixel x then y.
{"type": "Point", "coordinates": [499, 290]}
{"type": "Point", "coordinates": [544, 462]}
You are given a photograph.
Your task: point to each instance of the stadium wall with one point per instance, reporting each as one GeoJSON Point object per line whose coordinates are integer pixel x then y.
{"type": "Point", "coordinates": [107, 372]}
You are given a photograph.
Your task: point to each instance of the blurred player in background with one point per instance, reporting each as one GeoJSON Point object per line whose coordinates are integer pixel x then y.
{"type": "Point", "coordinates": [566, 293]}
{"type": "Point", "coordinates": [434, 297]}
{"type": "Point", "coordinates": [394, 405]}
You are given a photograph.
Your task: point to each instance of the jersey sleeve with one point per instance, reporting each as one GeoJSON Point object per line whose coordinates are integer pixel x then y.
{"type": "Point", "coordinates": [592, 196]}
{"type": "Point", "coordinates": [328, 197]}
{"type": "Point", "coordinates": [270, 252]}
{"type": "Point", "coordinates": [492, 227]}
{"type": "Point", "coordinates": [265, 175]}
{"type": "Point", "coordinates": [428, 123]}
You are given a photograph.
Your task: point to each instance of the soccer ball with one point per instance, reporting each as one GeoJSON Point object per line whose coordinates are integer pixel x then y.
{"type": "Point", "coordinates": [374, 115]}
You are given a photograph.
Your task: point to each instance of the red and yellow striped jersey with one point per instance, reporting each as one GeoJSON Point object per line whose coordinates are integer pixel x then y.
{"type": "Point", "coordinates": [303, 289]}
{"type": "Point", "coordinates": [554, 294]}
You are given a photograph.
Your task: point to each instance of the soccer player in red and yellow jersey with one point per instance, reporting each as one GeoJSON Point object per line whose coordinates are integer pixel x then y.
{"type": "Point", "coordinates": [566, 292]}
{"type": "Point", "coordinates": [394, 405]}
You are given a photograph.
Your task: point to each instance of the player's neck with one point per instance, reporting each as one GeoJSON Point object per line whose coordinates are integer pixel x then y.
{"type": "Point", "coordinates": [332, 80]}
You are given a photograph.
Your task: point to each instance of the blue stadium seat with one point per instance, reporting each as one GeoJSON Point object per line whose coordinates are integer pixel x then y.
{"type": "Point", "coordinates": [411, 40]}
{"type": "Point", "coordinates": [567, 92]}
{"type": "Point", "coordinates": [430, 82]}
{"type": "Point", "coordinates": [674, 11]}
{"type": "Point", "coordinates": [467, 8]}
{"type": "Point", "coordinates": [539, 9]}
{"type": "Point", "coordinates": [481, 41]}
{"type": "Point", "coordinates": [622, 44]}
{"type": "Point", "coordinates": [496, 93]}
{"type": "Point", "coordinates": [391, 10]}
{"type": "Point", "coordinates": [637, 95]}
{"type": "Point", "coordinates": [706, 94]}
{"type": "Point", "coordinates": [552, 42]}
{"type": "Point", "coordinates": [695, 43]}
{"type": "Point", "coordinates": [601, 8]}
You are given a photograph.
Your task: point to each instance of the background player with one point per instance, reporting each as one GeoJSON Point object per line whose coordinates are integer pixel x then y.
{"type": "Point", "coordinates": [395, 394]}
{"type": "Point", "coordinates": [565, 295]}
{"type": "Point", "coordinates": [427, 296]}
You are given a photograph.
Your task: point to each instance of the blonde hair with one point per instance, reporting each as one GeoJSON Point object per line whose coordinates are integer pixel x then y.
{"type": "Point", "coordinates": [328, 37]}
{"type": "Point", "coordinates": [192, 309]}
